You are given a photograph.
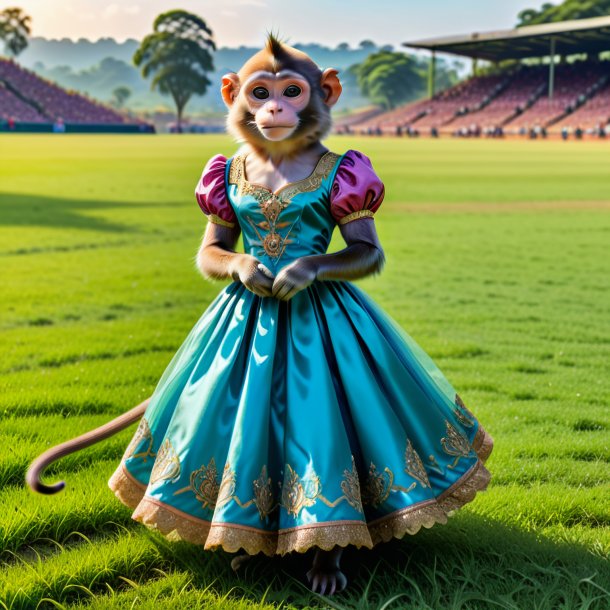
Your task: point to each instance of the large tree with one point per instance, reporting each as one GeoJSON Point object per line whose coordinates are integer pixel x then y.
{"type": "Point", "coordinates": [569, 9]}
{"type": "Point", "coordinates": [14, 30]}
{"type": "Point", "coordinates": [177, 55]}
{"type": "Point", "coordinates": [389, 78]}
{"type": "Point", "coordinates": [120, 95]}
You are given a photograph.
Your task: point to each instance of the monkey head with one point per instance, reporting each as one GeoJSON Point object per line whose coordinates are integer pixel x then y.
{"type": "Point", "coordinates": [279, 101]}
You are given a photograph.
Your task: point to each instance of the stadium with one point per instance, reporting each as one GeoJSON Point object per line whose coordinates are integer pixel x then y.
{"type": "Point", "coordinates": [566, 91]}
{"type": "Point", "coordinates": [555, 97]}
{"type": "Point", "coordinates": [29, 103]}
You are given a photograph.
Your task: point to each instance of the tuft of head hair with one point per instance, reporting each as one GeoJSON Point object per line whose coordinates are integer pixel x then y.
{"type": "Point", "coordinates": [274, 45]}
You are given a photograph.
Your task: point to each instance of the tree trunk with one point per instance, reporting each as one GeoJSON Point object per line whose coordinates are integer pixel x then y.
{"type": "Point", "coordinates": [179, 121]}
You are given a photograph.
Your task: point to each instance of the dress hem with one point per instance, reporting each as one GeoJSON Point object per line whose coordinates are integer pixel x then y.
{"type": "Point", "coordinates": [178, 525]}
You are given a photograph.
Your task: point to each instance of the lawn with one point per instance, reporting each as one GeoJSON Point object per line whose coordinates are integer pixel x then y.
{"type": "Point", "coordinates": [498, 265]}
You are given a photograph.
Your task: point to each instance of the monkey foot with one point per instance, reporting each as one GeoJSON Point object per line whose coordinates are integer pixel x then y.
{"type": "Point", "coordinates": [325, 573]}
{"type": "Point", "coordinates": [239, 560]}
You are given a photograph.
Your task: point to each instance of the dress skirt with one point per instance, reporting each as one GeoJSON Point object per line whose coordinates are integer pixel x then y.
{"type": "Point", "coordinates": [280, 426]}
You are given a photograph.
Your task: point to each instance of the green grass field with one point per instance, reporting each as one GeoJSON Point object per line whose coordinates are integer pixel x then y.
{"type": "Point", "coordinates": [498, 264]}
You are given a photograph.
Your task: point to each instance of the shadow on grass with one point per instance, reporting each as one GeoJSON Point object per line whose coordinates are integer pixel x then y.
{"type": "Point", "coordinates": [19, 210]}
{"type": "Point", "coordinates": [472, 563]}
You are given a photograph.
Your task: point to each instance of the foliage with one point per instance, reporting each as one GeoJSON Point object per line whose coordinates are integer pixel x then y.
{"type": "Point", "coordinates": [121, 95]}
{"type": "Point", "coordinates": [569, 9]}
{"type": "Point", "coordinates": [14, 30]}
{"type": "Point", "coordinates": [177, 56]}
{"type": "Point", "coordinates": [389, 78]}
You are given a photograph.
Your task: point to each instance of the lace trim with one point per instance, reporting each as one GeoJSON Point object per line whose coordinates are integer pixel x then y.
{"type": "Point", "coordinates": [178, 525]}
{"type": "Point", "coordinates": [127, 489]}
{"type": "Point", "coordinates": [482, 444]}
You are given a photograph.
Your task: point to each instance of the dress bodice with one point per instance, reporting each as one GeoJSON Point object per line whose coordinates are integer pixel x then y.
{"type": "Point", "coordinates": [299, 218]}
{"type": "Point", "coordinates": [283, 225]}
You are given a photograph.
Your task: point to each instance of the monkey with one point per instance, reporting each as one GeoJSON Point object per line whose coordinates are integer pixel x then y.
{"type": "Point", "coordinates": [279, 106]}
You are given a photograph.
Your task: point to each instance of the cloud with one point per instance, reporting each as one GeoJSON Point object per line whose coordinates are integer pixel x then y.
{"type": "Point", "coordinates": [229, 13]}
{"type": "Point", "coordinates": [112, 10]}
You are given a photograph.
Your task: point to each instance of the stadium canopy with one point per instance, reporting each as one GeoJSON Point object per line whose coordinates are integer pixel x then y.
{"type": "Point", "coordinates": [545, 40]}
{"type": "Point", "coordinates": [571, 37]}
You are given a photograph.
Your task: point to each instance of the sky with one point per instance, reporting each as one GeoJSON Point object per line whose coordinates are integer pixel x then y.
{"type": "Point", "coordinates": [245, 22]}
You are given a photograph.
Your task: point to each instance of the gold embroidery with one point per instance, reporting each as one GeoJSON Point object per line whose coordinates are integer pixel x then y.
{"type": "Point", "coordinates": [273, 243]}
{"type": "Point", "coordinates": [464, 416]}
{"type": "Point", "coordinates": [435, 465]}
{"type": "Point", "coordinates": [263, 494]}
{"type": "Point", "coordinates": [217, 220]}
{"type": "Point", "coordinates": [414, 465]}
{"type": "Point", "coordinates": [142, 433]}
{"type": "Point", "coordinates": [312, 182]}
{"type": "Point", "coordinates": [271, 204]}
{"type": "Point", "coordinates": [227, 486]}
{"type": "Point", "coordinates": [237, 175]}
{"type": "Point", "coordinates": [176, 524]}
{"type": "Point", "coordinates": [204, 484]}
{"type": "Point", "coordinates": [378, 486]}
{"type": "Point", "coordinates": [455, 443]}
{"type": "Point", "coordinates": [355, 215]}
{"type": "Point", "coordinates": [298, 493]}
{"type": "Point", "coordinates": [351, 487]}
{"type": "Point", "coordinates": [167, 464]}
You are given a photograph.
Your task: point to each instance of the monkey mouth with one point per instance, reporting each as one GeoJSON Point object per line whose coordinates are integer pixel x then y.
{"type": "Point", "coordinates": [278, 126]}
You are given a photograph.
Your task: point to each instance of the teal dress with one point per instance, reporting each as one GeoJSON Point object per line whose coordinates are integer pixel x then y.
{"type": "Point", "coordinates": [280, 426]}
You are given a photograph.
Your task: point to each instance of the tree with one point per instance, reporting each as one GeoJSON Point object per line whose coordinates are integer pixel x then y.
{"type": "Point", "coordinates": [389, 78]}
{"type": "Point", "coordinates": [367, 45]}
{"type": "Point", "coordinates": [14, 30]}
{"type": "Point", "coordinates": [121, 95]}
{"type": "Point", "coordinates": [177, 55]}
{"type": "Point", "coordinates": [569, 9]}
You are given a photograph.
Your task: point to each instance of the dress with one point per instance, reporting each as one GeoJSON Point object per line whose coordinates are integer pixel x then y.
{"type": "Point", "coordinates": [281, 426]}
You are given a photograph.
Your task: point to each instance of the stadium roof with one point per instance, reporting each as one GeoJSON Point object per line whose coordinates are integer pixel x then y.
{"type": "Point", "coordinates": [578, 36]}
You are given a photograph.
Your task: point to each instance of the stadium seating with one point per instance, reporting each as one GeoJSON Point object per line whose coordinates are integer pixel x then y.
{"type": "Point", "coordinates": [525, 87]}
{"type": "Point", "coordinates": [13, 107]}
{"type": "Point", "coordinates": [443, 108]}
{"type": "Point", "coordinates": [593, 114]}
{"type": "Point", "coordinates": [515, 102]}
{"type": "Point", "coordinates": [573, 84]}
{"type": "Point", "coordinates": [26, 97]}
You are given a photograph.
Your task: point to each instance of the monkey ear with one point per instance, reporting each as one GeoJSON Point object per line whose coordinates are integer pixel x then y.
{"type": "Point", "coordinates": [230, 88]}
{"type": "Point", "coordinates": [331, 86]}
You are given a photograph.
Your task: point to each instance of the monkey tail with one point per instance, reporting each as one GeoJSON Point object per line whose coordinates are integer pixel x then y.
{"type": "Point", "coordinates": [80, 442]}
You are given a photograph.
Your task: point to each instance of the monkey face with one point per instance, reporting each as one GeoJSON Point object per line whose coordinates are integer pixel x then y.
{"type": "Point", "coordinates": [275, 101]}
{"type": "Point", "coordinates": [280, 100]}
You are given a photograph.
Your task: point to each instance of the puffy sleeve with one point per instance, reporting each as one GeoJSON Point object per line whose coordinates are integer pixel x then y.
{"type": "Point", "coordinates": [211, 193]}
{"type": "Point", "coordinates": [357, 191]}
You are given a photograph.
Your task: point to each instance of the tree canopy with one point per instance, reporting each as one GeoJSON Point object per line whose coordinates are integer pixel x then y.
{"type": "Point", "coordinates": [121, 95]}
{"type": "Point", "coordinates": [177, 55]}
{"type": "Point", "coordinates": [389, 78]}
{"type": "Point", "coordinates": [14, 30]}
{"type": "Point", "coordinates": [567, 10]}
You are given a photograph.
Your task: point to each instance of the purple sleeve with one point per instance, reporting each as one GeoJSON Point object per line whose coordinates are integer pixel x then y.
{"type": "Point", "coordinates": [211, 193]}
{"type": "Point", "coordinates": [357, 191]}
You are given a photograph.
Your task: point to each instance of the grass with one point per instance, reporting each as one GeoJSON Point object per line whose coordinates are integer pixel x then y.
{"type": "Point", "coordinates": [497, 264]}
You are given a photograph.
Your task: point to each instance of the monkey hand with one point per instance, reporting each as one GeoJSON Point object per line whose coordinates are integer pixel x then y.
{"type": "Point", "coordinates": [254, 275]}
{"type": "Point", "coordinates": [293, 278]}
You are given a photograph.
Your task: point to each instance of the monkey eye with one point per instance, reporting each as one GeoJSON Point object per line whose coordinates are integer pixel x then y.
{"type": "Point", "coordinates": [292, 91]}
{"type": "Point", "coordinates": [260, 93]}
